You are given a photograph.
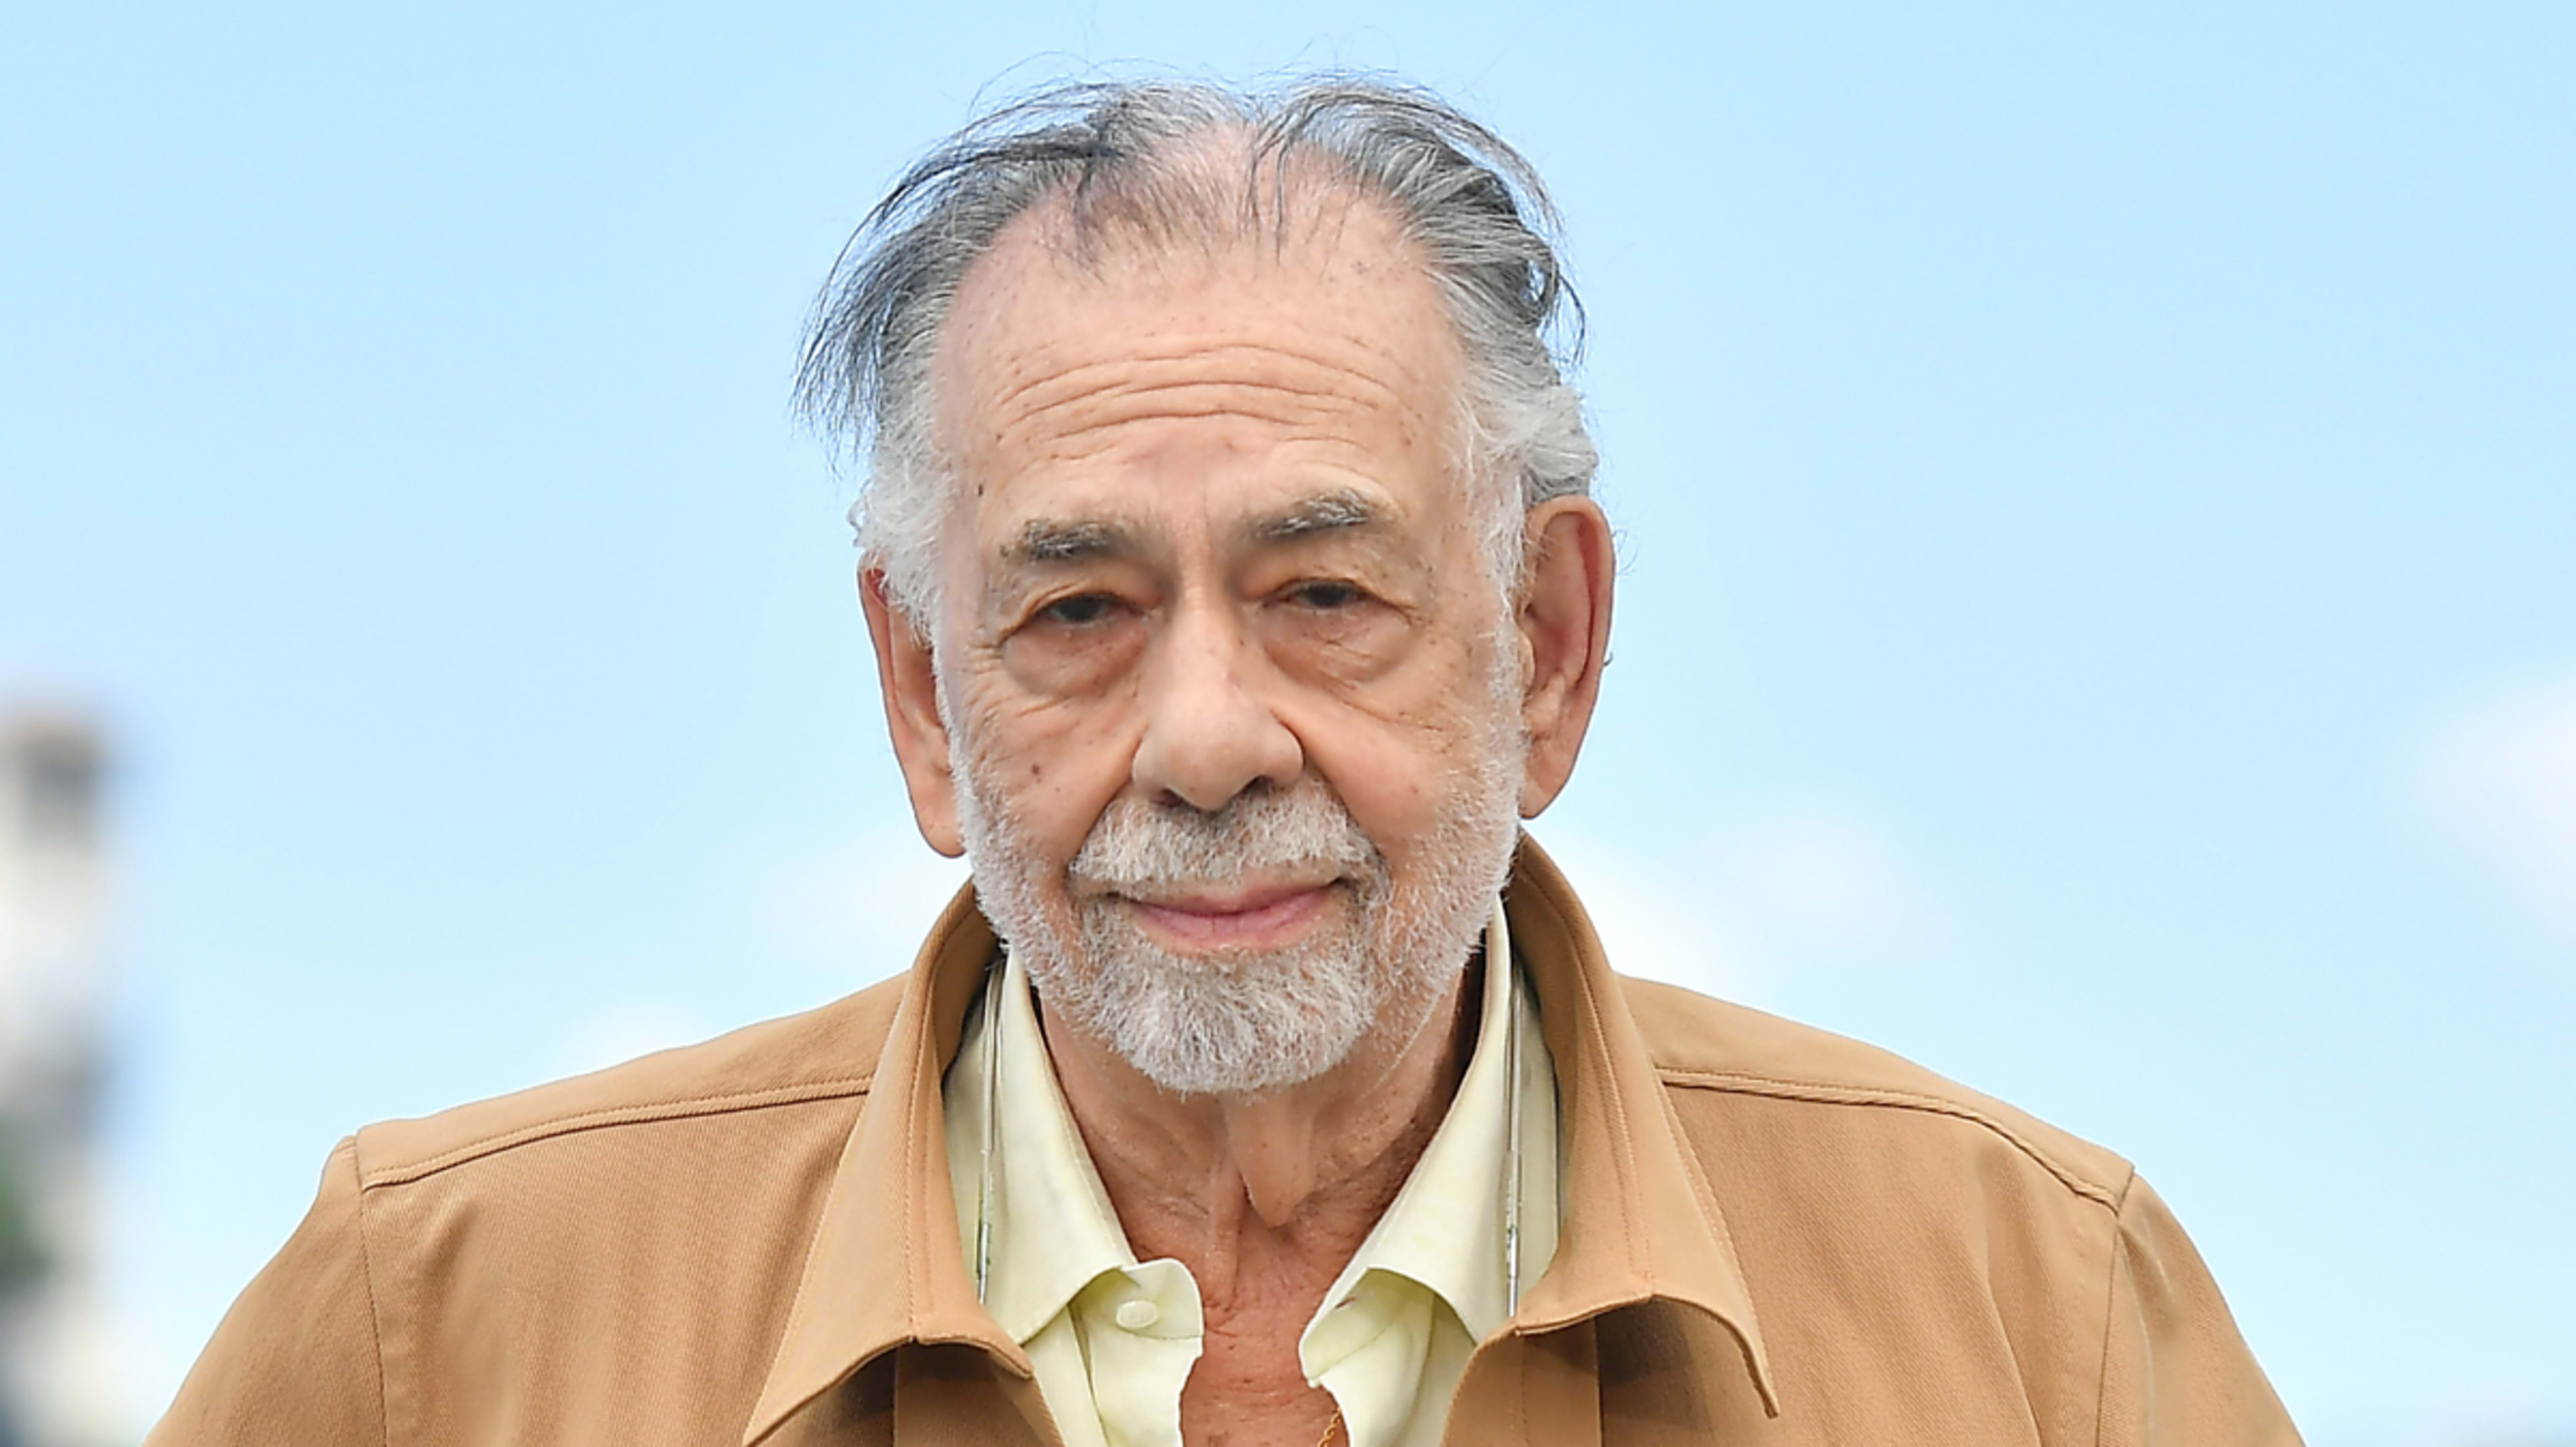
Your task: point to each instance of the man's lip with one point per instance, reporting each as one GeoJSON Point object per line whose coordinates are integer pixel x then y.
{"type": "Point", "coordinates": [1260, 917]}
{"type": "Point", "coordinates": [1245, 900]}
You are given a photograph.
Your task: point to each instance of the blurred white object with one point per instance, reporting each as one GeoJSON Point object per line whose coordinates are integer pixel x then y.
{"type": "Point", "coordinates": [55, 1366]}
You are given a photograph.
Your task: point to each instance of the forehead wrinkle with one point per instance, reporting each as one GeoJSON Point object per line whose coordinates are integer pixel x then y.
{"type": "Point", "coordinates": [1177, 383]}
{"type": "Point", "coordinates": [1348, 322]}
{"type": "Point", "coordinates": [1332, 357]}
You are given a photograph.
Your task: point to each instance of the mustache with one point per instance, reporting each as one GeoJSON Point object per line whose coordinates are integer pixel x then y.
{"type": "Point", "coordinates": [1143, 843]}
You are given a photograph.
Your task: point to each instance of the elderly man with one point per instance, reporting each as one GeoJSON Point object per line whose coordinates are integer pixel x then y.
{"type": "Point", "coordinates": [1235, 593]}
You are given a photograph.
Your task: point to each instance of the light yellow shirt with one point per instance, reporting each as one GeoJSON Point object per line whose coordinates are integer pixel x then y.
{"type": "Point", "coordinates": [1113, 1339]}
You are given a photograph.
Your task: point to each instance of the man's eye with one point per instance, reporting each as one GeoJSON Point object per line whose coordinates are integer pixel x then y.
{"type": "Point", "coordinates": [1327, 597]}
{"type": "Point", "coordinates": [1077, 610]}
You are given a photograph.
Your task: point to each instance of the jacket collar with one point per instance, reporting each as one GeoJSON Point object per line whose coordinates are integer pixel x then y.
{"type": "Point", "coordinates": [1640, 1222]}
{"type": "Point", "coordinates": [887, 1268]}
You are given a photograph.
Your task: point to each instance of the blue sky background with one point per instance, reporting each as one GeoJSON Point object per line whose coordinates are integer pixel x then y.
{"type": "Point", "coordinates": [2099, 494]}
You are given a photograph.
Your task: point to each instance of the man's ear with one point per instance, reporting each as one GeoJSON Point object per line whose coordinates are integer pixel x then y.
{"type": "Point", "coordinates": [1564, 636]}
{"type": "Point", "coordinates": [910, 682]}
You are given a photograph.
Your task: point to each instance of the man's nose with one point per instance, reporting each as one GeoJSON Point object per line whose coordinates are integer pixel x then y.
{"type": "Point", "coordinates": [1208, 735]}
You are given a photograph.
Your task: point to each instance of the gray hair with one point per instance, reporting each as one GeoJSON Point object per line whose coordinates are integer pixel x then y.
{"type": "Point", "coordinates": [1123, 154]}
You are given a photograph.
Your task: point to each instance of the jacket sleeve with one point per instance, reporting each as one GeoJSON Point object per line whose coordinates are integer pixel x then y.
{"type": "Point", "coordinates": [2175, 1373]}
{"type": "Point", "coordinates": [295, 1359]}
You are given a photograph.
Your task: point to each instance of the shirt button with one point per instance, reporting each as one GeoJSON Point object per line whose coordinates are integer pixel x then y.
{"type": "Point", "coordinates": [1138, 1315]}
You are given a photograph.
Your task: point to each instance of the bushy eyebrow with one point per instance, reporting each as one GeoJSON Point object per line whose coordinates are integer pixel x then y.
{"type": "Point", "coordinates": [1330, 512]}
{"type": "Point", "coordinates": [1048, 543]}
{"type": "Point", "coordinates": [1051, 540]}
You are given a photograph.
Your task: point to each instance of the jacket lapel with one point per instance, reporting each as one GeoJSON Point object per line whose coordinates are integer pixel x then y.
{"type": "Point", "coordinates": [1640, 1223]}
{"type": "Point", "coordinates": [886, 1268]}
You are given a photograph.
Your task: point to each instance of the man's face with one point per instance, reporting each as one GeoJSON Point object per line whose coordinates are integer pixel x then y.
{"type": "Point", "coordinates": [1232, 699]}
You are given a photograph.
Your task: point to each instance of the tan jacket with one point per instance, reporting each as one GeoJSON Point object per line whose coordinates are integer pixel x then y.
{"type": "Point", "coordinates": [1771, 1236]}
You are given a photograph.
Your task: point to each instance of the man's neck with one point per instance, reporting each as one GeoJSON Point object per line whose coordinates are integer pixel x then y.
{"type": "Point", "coordinates": [1265, 1199]}
{"type": "Point", "coordinates": [1257, 1195]}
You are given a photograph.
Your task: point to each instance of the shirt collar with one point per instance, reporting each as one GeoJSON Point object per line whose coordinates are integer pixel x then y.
{"type": "Point", "coordinates": [1054, 1229]}
{"type": "Point", "coordinates": [888, 1265]}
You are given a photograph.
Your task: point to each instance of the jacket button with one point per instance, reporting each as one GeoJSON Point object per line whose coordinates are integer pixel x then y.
{"type": "Point", "coordinates": [1138, 1315]}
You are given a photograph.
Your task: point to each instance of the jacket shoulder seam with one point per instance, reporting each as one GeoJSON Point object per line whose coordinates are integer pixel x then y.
{"type": "Point", "coordinates": [1820, 1093]}
{"type": "Point", "coordinates": [724, 1103]}
{"type": "Point", "coordinates": [2110, 1306]}
{"type": "Point", "coordinates": [367, 1278]}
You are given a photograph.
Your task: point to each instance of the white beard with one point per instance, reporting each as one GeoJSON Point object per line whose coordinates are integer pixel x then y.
{"type": "Point", "coordinates": [1245, 1022]}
